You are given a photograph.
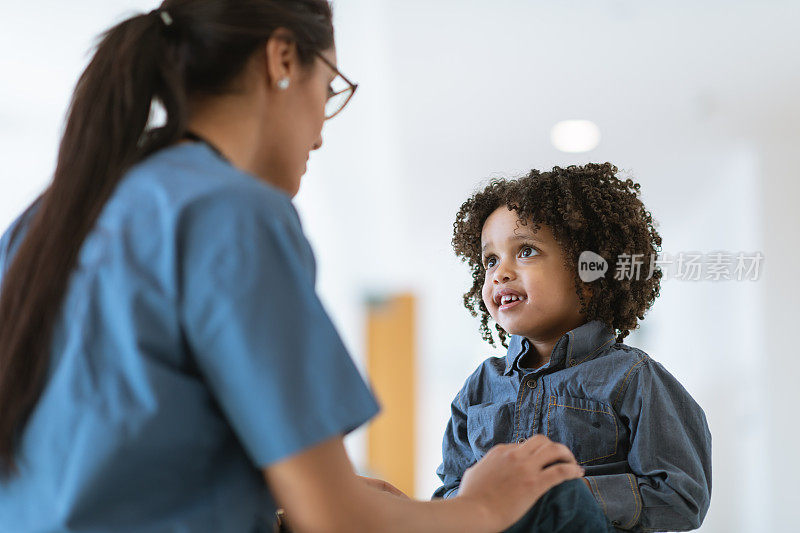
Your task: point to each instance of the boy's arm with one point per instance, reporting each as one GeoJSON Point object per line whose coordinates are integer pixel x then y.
{"type": "Point", "coordinates": [669, 486]}
{"type": "Point", "coordinates": [457, 454]}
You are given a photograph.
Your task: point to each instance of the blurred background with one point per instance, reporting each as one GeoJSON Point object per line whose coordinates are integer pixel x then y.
{"type": "Point", "coordinates": [698, 101]}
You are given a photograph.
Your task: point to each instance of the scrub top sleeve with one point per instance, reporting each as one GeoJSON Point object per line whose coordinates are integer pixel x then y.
{"type": "Point", "coordinates": [257, 330]}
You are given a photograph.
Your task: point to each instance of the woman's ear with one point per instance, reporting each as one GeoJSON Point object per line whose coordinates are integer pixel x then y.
{"type": "Point", "coordinates": [282, 61]}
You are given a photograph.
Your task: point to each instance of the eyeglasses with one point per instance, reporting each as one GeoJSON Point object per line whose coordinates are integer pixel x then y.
{"type": "Point", "coordinates": [340, 91]}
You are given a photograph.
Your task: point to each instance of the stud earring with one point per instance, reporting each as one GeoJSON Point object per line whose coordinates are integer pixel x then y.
{"type": "Point", "coordinates": [283, 84]}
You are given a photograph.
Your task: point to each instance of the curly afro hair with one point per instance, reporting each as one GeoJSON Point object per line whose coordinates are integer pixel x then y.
{"type": "Point", "coordinates": [587, 208]}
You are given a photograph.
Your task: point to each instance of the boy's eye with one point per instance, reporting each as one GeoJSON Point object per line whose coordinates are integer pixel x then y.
{"type": "Point", "coordinates": [490, 262]}
{"type": "Point", "coordinates": [528, 251]}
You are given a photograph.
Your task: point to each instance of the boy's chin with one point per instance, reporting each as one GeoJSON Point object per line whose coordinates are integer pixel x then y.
{"type": "Point", "coordinates": [541, 331]}
{"type": "Point", "coordinates": [530, 331]}
{"type": "Point", "coordinates": [512, 330]}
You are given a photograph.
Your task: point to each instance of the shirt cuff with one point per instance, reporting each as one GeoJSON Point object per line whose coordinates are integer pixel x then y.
{"type": "Point", "coordinates": [618, 495]}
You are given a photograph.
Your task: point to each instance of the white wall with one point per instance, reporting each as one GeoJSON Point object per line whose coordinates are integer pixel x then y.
{"type": "Point", "coordinates": [778, 365]}
{"type": "Point", "coordinates": [45, 46]}
{"type": "Point", "coordinates": [697, 101]}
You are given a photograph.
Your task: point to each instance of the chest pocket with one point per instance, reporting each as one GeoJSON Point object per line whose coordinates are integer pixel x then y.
{"type": "Point", "coordinates": [488, 424]}
{"type": "Point", "coordinates": [589, 428]}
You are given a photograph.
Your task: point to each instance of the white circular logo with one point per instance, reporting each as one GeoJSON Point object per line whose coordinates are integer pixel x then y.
{"type": "Point", "coordinates": [591, 266]}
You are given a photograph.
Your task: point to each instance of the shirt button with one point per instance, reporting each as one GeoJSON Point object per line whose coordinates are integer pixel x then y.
{"type": "Point", "coordinates": [532, 384]}
{"type": "Point", "coordinates": [520, 440]}
{"type": "Point", "coordinates": [615, 523]}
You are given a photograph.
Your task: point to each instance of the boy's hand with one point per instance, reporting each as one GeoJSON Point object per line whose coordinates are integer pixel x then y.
{"type": "Point", "coordinates": [523, 471]}
{"type": "Point", "coordinates": [384, 486]}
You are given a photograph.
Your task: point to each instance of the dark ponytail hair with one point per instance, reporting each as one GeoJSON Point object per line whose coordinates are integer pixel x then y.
{"type": "Point", "coordinates": [182, 49]}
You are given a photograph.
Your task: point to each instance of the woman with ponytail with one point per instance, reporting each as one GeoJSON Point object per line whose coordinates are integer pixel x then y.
{"type": "Point", "coordinates": [165, 364]}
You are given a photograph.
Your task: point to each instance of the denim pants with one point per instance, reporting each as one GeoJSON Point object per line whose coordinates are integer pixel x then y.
{"type": "Point", "coordinates": [566, 508]}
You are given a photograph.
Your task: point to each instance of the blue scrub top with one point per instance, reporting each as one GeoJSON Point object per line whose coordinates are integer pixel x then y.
{"type": "Point", "coordinates": [191, 351]}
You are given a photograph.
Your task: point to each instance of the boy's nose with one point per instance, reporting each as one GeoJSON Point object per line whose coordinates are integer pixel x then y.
{"type": "Point", "coordinates": [502, 275]}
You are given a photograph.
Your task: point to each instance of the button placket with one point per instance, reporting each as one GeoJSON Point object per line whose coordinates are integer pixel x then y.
{"type": "Point", "coordinates": [518, 413]}
{"type": "Point", "coordinates": [536, 404]}
{"type": "Point", "coordinates": [526, 409]}
{"type": "Point", "coordinates": [531, 398]}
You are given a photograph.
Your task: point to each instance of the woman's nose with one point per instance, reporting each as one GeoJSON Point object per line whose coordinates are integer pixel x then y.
{"type": "Point", "coordinates": [318, 144]}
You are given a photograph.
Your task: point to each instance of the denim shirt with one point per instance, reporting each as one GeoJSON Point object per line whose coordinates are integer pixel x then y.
{"type": "Point", "coordinates": [641, 437]}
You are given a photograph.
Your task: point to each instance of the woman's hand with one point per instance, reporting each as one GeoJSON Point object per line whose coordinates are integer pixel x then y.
{"type": "Point", "coordinates": [524, 472]}
{"type": "Point", "coordinates": [384, 486]}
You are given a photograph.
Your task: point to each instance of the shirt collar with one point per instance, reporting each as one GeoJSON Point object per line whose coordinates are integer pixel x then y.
{"type": "Point", "coordinates": [573, 348]}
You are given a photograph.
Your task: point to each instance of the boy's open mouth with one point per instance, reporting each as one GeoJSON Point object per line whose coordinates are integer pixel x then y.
{"type": "Point", "coordinates": [508, 298]}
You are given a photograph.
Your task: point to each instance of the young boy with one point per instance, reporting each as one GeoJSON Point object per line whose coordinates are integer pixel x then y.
{"type": "Point", "coordinates": [642, 439]}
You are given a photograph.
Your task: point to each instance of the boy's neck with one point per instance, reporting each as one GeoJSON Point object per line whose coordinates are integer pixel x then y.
{"type": "Point", "coordinates": [539, 354]}
{"type": "Point", "coordinates": [542, 349]}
